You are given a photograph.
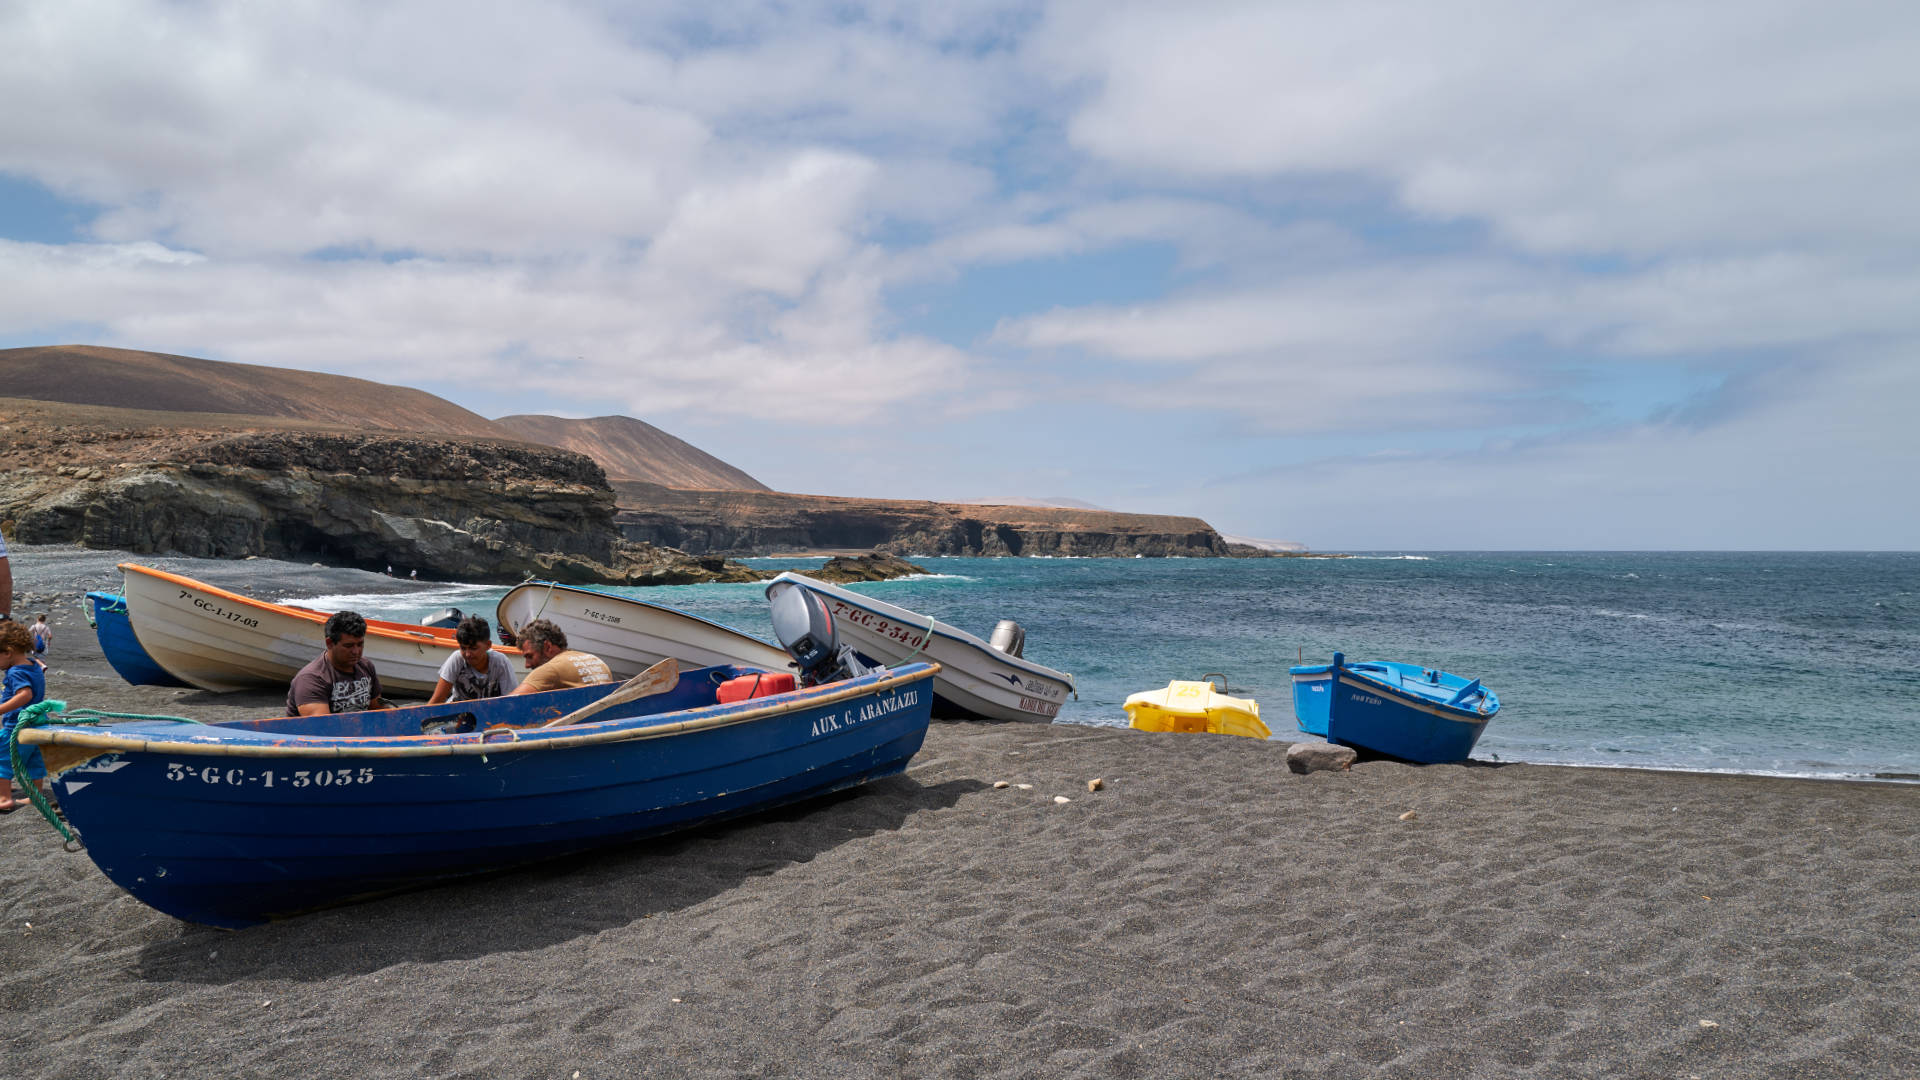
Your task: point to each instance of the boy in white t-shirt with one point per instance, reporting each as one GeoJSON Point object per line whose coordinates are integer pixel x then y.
{"type": "Point", "coordinates": [476, 671]}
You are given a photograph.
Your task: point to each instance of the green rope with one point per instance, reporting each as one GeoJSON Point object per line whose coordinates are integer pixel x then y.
{"type": "Point", "coordinates": [44, 713]}
{"type": "Point", "coordinates": [35, 715]}
{"type": "Point", "coordinates": [924, 642]}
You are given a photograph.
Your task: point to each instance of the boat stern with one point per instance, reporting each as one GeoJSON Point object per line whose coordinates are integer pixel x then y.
{"type": "Point", "coordinates": [1312, 695]}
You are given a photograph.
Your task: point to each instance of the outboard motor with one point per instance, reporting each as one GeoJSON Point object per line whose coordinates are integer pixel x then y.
{"type": "Point", "coordinates": [803, 628]}
{"type": "Point", "coordinates": [447, 619]}
{"type": "Point", "coordinates": [1008, 637]}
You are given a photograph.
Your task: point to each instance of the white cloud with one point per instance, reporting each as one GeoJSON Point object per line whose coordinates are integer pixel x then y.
{"type": "Point", "coordinates": [770, 232]}
{"type": "Point", "coordinates": [1639, 127]}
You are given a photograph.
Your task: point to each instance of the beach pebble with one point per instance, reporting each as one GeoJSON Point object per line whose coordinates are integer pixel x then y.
{"type": "Point", "coordinates": [1024, 787]}
{"type": "Point", "coordinates": [998, 784]}
{"type": "Point", "coordinates": [1061, 799]}
{"type": "Point", "coordinates": [1096, 784]}
{"type": "Point", "coordinates": [1408, 816]}
{"type": "Point", "coordinates": [1306, 757]}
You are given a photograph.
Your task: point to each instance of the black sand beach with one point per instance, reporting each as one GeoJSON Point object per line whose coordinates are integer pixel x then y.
{"type": "Point", "coordinates": [1206, 914]}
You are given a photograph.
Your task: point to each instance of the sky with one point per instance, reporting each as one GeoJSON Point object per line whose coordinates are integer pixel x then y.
{"type": "Point", "coordinates": [1446, 274]}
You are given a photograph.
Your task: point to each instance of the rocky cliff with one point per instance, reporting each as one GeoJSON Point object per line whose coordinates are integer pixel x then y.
{"type": "Point", "coordinates": [461, 509]}
{"type": "Point", "coordinates": [744, 523]}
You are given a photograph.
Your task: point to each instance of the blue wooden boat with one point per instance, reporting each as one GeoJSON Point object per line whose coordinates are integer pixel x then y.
{"type": "Point", "coordinates": [1404, 711]}
{"type": "Point", "coordinates": [237, 823]}
{"type": "Point", "coordinates": [108, 614]}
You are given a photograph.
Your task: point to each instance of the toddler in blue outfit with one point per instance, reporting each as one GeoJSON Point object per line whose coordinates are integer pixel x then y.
{"type": "Point", "coordinates": [26, 683]}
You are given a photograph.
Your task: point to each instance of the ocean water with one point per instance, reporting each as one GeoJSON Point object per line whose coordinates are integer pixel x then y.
{"type": "Point", "coordinates": [1804, 664]}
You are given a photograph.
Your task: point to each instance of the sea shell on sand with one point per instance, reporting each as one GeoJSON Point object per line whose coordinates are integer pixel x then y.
{"type": "Point", "coordinates": [1096, 784]}
{"type": "Point", "coordinates": [998, 784]}
{"type": "Point", "coordinates": [1058, 799]}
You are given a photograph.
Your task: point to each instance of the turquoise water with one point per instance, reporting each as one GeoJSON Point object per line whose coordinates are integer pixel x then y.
{"type": "Point", "coordinates": [1800, 664]}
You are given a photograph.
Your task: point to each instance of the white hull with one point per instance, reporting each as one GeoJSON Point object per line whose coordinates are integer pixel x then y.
{"type": "Point", "coordinates": [975, 678]}
{"type": "Point", "coordinates": [218, 640]}
{"type": "Point", "coordinates": [632, 635]}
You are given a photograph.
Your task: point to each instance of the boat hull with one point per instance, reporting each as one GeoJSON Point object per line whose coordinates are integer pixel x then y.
{"type": "Point", "coordinates": [1312, 695]}
{"type": "Point", "coordinates": [633, 635]}
{"type": "Point", "coordinates": [218, 640]}
{"type": "Point", "coordinates": [230, 827]}
{"type": "Point", "coordinates": [976, 680]}
{"type": "Point", "coordinates": [122, 648]}
{"type": "Point", "coordinates": [1369, 714]}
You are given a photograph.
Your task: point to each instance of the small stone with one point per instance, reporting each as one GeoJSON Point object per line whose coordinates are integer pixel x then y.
{"type": "Point", "coordinates": [1096, 784]}
{"type": "Point", "coordinates": [1061, 799]}
{"type": "Point", "coordinates": [1024, 787]}
{"type": "Point", "coordinates": [267, 1004]}
{"type": "Point", "coordinates": [998, 784]}
{"type": "Point", "coordinates": [1408, 816]}
{"type": "Point", "coordinates": [676, 1001]}
{"type": "Point", "coordinates": [1708, 1024]}
{"type": "Point", "coordinates": [1306, 757]}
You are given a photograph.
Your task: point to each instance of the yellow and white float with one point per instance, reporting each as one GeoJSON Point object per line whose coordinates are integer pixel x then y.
{"type": "Point", "coordinates": [1196, 706]}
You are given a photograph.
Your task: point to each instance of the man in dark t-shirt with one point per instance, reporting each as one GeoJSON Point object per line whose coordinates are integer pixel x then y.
{"type": "Point", "coordinates": [339, 679]}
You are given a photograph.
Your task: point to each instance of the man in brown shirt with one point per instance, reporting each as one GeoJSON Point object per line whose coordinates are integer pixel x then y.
{"type": "Point", "coordinates": [553, 666]}
{"type": "Point", "coordinates": [339, 679]}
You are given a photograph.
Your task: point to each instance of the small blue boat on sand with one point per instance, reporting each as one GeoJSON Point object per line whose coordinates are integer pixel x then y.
{"type": "Point", "coordinates": [1404, 711]}
{"type": "Point", "coordinates": [108, 614]}
{"type": "Point", "coordinates": [236, 823]}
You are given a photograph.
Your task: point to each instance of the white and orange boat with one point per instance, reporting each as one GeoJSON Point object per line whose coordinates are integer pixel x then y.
{"type": "Point", "coordinates": [214, 639]}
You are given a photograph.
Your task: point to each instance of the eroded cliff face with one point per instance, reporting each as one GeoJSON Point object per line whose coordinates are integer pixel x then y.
{"type": "Point", "coordinates": [744, 523]}
{"type": "Point", "coordinates": [449, 508]}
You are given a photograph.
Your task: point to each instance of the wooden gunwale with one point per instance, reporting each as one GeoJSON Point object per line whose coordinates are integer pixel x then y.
{"type": "Point", "coordinates": [107, 743]}
{"type": "Point", "coordinates": [401, 631]}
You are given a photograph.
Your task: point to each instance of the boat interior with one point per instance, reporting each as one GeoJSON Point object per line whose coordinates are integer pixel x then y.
{"type": "Point", "coordinates": [696, 688]}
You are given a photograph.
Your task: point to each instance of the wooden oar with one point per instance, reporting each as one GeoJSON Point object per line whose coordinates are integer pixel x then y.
{"type": "Point", "coordinates": [662, 676]}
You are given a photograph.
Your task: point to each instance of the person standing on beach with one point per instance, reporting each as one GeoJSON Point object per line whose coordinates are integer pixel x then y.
{"type": "Point", "coordinates": [6, 583]}
{"type": "Point", "coordinates": [25, 684]}
{"type": "Point", "coordinates": [42, 635]}
{"type": "Point", "coordinates": [553, 666]}
{"type": "Point", "coordinates": [340, 679]}
{"type": "Point", "coordinates": [476, 671]}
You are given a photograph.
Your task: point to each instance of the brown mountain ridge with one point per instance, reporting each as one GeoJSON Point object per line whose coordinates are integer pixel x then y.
{"type": "Point", "coordinates": [632, 449]}
{"type": "Point", "coordinates": [647, 488]}
{"type": "Point", "coordinates": [163, 382]}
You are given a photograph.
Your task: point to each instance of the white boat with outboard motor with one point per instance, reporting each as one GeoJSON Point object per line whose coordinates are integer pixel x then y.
{"type": "Point", "coordinates": [978, 679]}
{"type": "Point", "coordinates": [632, 635]}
